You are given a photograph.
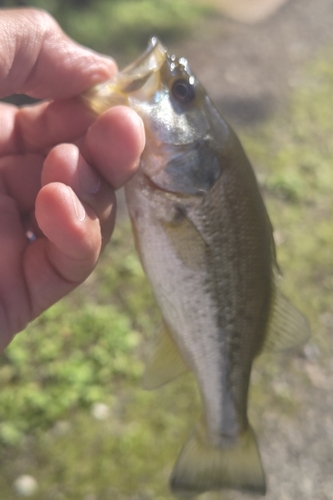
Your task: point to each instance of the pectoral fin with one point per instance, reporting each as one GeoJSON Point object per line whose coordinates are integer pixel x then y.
{"type": "Point", "coordinates": [288, 328]}
{"type": "Point", "coordinates": [165, 363]}
{"type": "Point", "coordinates": [187, 242]}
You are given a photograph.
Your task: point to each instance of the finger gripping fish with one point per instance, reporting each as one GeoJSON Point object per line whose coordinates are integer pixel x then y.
{"type": "Point", "coordinates": [205, 243]}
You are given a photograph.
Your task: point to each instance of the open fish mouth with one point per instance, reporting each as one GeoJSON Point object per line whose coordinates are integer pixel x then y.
{"type": "Point", "coordinates": [143, 72]}
{"type": "Point", "coordinates": [144, 66]}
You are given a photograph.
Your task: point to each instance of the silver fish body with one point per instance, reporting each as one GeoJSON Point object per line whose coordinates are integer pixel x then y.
{"type": "Point", "coordinates": [205, 242]}
{"type": "Point", "coordinates": [209, 261]}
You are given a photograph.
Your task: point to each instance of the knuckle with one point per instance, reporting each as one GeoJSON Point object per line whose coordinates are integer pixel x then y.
{"type": "Point", "coordinates": [42, 19]}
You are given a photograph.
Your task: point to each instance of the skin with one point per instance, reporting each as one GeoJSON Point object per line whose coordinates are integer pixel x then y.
{"type": "Point", "coordinates": [59, 166]}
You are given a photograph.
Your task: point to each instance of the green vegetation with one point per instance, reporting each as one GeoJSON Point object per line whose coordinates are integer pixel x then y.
{"type": "Point", "coordinates": [117, 26]}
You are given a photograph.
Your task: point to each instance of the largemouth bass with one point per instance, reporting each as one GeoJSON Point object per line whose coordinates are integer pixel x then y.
{"type": "Point", "coordinates": [205, 242]}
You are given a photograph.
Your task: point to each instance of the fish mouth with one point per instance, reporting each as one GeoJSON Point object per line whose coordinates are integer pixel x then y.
{"type": "Point", "coordinates": [137, 81]}
{"type": "Point", "coordinates": [137, 73]}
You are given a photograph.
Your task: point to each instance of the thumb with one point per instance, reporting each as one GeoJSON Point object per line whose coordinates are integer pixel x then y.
{"type": "Point", "coordinates": [40, 60]}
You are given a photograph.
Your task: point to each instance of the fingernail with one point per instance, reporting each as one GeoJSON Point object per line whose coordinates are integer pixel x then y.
{"type": "Point", "coordinates": [78, 207]}
{"type": "Point", "coordinates": [89, 179]}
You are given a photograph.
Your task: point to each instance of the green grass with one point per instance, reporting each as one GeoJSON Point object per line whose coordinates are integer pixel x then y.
{"type": "Point", "coordinates": [91, 346]}
{"type": "Point", "coordinates": [122, 26]}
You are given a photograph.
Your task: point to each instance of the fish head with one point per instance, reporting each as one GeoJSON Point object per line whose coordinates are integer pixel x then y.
{"type": "Point", "coordinates": [184, 130]}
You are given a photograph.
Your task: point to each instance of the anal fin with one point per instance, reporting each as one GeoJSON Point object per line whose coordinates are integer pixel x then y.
{"type": "Point", "coordinates": [165, 363]}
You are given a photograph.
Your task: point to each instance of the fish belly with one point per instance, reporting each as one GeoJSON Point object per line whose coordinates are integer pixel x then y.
{"type": "Point", "coordinates": [188, 308]}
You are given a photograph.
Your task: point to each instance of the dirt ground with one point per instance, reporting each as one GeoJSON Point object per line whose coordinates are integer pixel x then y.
{"type": "Point", "coordinates": [249, 71]}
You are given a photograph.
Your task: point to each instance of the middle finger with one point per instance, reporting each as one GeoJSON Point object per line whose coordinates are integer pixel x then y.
{"type": "Point", "coordinates": [65, 164]}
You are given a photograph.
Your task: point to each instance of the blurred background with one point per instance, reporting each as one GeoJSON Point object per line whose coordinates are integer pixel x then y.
{"type": "Point", "coordinates": [74, 421]}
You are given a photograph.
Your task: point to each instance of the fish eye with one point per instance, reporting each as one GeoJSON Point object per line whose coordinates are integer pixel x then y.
{"type": "Point", "coordinates": [183, 90]}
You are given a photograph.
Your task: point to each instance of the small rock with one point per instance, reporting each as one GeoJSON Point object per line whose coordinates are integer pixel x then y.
{"type": "Point", "coordinates": [279, 237]}
{"type": "Point", "coordinates": [25, 485]}
{"type": "Point", "coordinates": [61, 428]}
{"type": "Point", "coordinates": [311, 352]}
{"type": "Point", "coordinates": [100, 411]}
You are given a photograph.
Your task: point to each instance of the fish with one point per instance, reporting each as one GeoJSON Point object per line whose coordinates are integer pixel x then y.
{"type": "Point", "coordinates": [206, 244]}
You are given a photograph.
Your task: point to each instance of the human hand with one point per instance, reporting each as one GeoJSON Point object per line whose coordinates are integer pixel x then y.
{"type": "Point", "coordinates": [58, 166]}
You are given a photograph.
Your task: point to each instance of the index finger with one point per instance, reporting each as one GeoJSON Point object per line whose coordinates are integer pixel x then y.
{"type": "Point", "coordinates": [38, 127]}
{"type": "Point", "coordinates": [40, 60]}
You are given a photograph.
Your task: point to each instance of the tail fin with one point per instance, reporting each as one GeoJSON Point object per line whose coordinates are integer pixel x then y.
{"type": "Point", "coordinates": [201, 467]}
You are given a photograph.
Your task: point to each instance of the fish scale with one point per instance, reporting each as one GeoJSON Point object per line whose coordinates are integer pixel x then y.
{"type": "Point", "coordinates": [236, 311]}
